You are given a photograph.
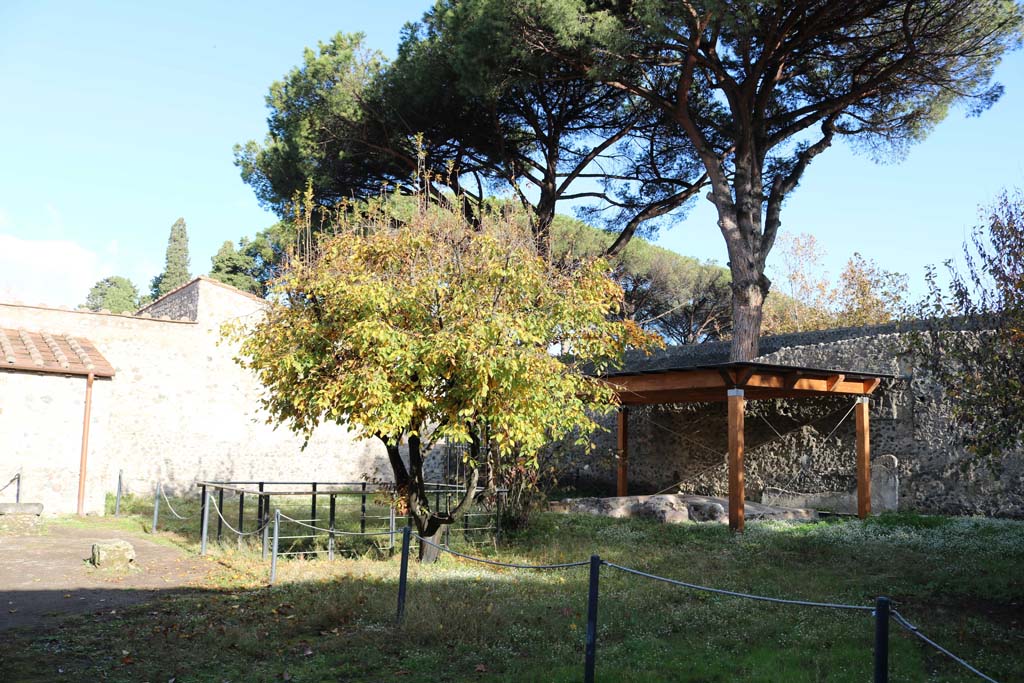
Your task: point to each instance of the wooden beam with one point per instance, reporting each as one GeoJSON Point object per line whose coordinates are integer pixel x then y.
{"type": "Point", "coordinates": [737, 495]}
{"type": "Point", "coordinates": [833, 381]}
{"type": "Point", "coordinates": [863, 458]}
{"type": "Point", "coordinates": [871, 384]}
{"type": "Point", "coordinates": [623, 448]}
{"type": "Point", "coordinates": [85, 444]}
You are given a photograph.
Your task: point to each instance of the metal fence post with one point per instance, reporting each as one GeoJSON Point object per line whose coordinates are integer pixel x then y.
{"type": "Point", "coordinates": [220, 512]}
{"type": "Point", "coordinates": [17, 489]}
{"type": "Point", "coordinates": [273, 556]}
{"type": "Point", "coordinates": [403, 574]}
{"type": "Point", "coordinates": [266, 540]}
{"type": "Point", "coordinates": [882, 640]}
{"type": "Point", "coordinates": [591, 644]}
{"type": "Point", "coordinates": [330, 539]}
{"type": "Point", "coordinates": [391, 527]}
{"type": "Point", "coordinates": [241, 516]}
{"type": "Point", "coordinates": [362, 513]}
{"type": "Point", "coordinates": [117, 501]}
{"type": "Point", "coordinates": [312, 512]}
{"type": "Point", "coordinates": [206, 521]}
{"type": "Point", "coordinates": [156, 507]}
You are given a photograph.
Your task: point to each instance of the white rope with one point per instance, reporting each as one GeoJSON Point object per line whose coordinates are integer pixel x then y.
{"type": "Point", "coordinates": [335, 531]}
{"type": "Point", "coordinates": [748, 596]}
{"type": "Point", "coordinates": [169, 506]}
{"type": "Point", "coordinates": [228, 524]}
{"type": "Point", "coordinates": [500, 564]}
{"type": "Point", "coordinates": [902, 621]}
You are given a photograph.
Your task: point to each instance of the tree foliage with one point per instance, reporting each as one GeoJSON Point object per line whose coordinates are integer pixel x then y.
{"type": "Point", "coordinates": [747, 83]}
{"type": "Point", "coordinates": [677, 297]}
{"type": "Point", "coordinates": [238, 267]}
{"type": "Point", "coordinates": [430, 328]}
{"type": "Point", "coordinates": [175, 272]}
{"type": "Point", "coordinates": [864, 293]}
{"type": "Point", "coordinates": [115, 294]}
{"type": "Point", "coordinates": [982, 370]}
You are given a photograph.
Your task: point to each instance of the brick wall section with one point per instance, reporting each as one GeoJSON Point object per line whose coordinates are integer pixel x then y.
{"type": "Point", "coordinates": [178, 410]}
{"type": "Point", "coordinates": [909, 419]}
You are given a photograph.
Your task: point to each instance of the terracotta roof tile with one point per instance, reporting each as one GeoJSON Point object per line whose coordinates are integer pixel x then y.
{"type": "Point", "coordinates": [62, 354]}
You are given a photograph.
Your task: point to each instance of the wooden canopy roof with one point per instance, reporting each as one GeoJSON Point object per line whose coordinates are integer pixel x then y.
{"type": "Point", "coordinates": [53, 353]}
{"type": "Point", "coordinates": [702, 383]}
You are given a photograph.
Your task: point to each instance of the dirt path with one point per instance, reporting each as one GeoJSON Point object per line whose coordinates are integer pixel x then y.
{"type": "Point", "coordinates": [45, 576]}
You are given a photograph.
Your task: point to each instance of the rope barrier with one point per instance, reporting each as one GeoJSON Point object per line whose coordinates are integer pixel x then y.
{"type": "Point", "coordinates": [902, 621]}
{"type": "Point", "coordinates": [500, 564]}
{"type": "Point", "coordinates": [336, 531]}
{"type": "Point", "coordinates": [258, 530]}
{"type": "Point", "coordinates": [13, 479]}
{"type": "Point", "coordinates": [748, 596]}
{"type": "Point", "coordinates": [169, 506]}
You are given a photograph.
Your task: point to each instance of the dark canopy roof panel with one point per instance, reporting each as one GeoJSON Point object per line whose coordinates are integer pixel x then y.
{"type": "Point", "coordinates": [712, 382]}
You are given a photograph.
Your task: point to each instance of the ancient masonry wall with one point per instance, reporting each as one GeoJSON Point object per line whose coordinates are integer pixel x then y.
{"type": "Point", "coordinates": [684, 446]}
{"type": "Point", "coordinates": [178, 410]}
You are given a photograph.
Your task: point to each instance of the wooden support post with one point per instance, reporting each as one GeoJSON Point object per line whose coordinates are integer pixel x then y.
{"type": "Point", "coordinates": [863, 458]}
{"type": "Point", "coordinates": [85, 445]}
{"type": "Point", "coordinates": [623, 449]}
{"type": "Point", "coordinates": [736, 492]}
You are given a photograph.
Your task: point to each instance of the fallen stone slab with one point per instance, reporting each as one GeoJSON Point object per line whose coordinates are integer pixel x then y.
{"type": "Point", "coordinates": [677, 508]}
{"type": "Point", "coordinates": [21, 509]}
{"type": "Point", "coordinates": [113, 554]}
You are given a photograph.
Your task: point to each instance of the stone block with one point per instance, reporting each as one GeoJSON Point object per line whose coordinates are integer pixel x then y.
{"type": "Point", "coordinates": [665, 509]}
{"type": "Point", "coordinates": [707, 511]}
{"type": "Point", "coordinates": [113, 554]}
{"type": "Point", "coordinates": [21, 509]}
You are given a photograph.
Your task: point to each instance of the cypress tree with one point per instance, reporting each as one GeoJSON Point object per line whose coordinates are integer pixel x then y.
{"type": "Point", "coordinates": [175, 272]}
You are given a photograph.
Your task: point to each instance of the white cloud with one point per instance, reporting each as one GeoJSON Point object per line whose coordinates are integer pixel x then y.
{"type": "Point", "coordinates": [50, 272]}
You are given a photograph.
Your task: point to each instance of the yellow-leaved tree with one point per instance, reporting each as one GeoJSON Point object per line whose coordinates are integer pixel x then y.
{"type": "Point", "coordinates": [418, 327]}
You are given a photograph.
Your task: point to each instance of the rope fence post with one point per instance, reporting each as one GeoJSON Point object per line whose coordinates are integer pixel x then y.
{"type": "Point", "coordinates": [17, 488]}
{"type": "Point", "coordinates": [117, 501]}
{"type": "Point", "coordinates": [266, 539]}
{"type": "Point", "coordinates": [205, 520]}
{"type": "Point", "coordinates": [156, 507]}
{"type": "Point", "coordinates": [204, 501]}
{"type": "Point", "coordinates": [882, 640]}
{"type": "Point", "coordinates": [273, 556]}
{"type": "Point", "coordinates": [403, 575]}
{"type": "Point", "coordinates": [591, 643]}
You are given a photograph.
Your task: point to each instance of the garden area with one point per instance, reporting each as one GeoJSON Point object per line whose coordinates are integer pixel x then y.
{"type": "Point", "coordinates": [957, 579]}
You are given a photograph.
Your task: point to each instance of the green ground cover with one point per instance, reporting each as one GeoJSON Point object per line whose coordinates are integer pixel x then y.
{"type": "Point", "coordinates": [959, 579]}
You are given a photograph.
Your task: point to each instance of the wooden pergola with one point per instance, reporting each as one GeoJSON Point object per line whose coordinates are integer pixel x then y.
{"type": "Point", "coordinates": [736, 383]}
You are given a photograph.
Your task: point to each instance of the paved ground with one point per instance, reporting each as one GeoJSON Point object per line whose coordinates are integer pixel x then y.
{"type": "Point", "coordinates": [44, 575]}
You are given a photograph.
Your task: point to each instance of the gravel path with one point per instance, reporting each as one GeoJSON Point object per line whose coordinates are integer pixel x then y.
{"type": "Point", "coordinates": [45, 575]}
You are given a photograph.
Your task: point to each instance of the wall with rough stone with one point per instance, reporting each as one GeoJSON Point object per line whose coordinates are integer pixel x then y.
{"type": "Point", "coordinates": [178, 410]}
{"type": "Point", "coordinates": [806, 445]}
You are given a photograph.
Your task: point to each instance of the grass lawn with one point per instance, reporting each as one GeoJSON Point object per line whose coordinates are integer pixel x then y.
{"type": "Point", "coordinates": [960, 580]}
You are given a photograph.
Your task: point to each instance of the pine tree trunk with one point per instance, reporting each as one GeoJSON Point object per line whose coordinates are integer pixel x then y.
{"type": "Point", "coordinates": [747, 309]}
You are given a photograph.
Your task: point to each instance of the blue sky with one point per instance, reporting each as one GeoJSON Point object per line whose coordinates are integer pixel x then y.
{"type": "Point", "coordinates": [118, 117]}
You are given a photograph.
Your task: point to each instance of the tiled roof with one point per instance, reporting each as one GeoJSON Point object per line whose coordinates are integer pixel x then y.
{"type": "Point", "coordinates": [62, 354]}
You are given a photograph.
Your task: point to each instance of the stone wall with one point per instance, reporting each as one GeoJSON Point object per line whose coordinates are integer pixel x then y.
{"type": "Point", "coordinates": [806, 445]}
{"type": "Point", "coordinates": [178, 410]}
